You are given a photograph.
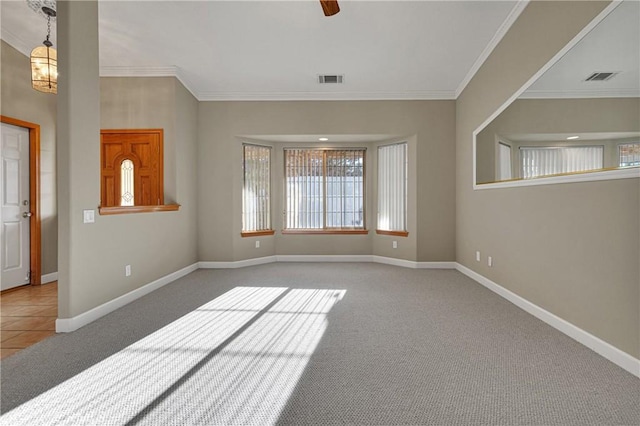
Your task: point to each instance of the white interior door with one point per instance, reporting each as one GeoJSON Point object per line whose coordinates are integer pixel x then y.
{"type": "Point", "coordinates": [14, 207]}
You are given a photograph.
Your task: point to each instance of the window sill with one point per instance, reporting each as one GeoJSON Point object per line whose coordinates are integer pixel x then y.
{"type": "Point", "coordinates": [395, 233]}
{"type": "Point", "coordinates": [138, 209]}
{"type": "Point", "coordinates": [257, 233]}
{"type": "Point", "coordinates": [611, 174]}
{"type": "Point", "coordinates": [326, 231]}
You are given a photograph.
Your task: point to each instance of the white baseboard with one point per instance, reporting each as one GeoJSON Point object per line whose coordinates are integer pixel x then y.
{"type": "Point", "coordinates": [411, 264]}
{"type": "Point", "coordinates": [437, 265]}
{"type": "Point", "coordinates": [323, 258]}
{"type": "Point", "coordinates": [610, 352]}
{"type": "Point", "coordinates": [327, 258]}
{"type": "Point", "coordinates": [395, 262]}
{"type": "Point", "coordinates": [49, 278]}
{"type": "Point", "coordinates": [237, 264]}
{"type": "Point", "coordinates": [66, 325]}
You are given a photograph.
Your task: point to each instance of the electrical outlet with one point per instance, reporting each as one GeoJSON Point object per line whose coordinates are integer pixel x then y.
{"type": "Point", "coordinates": [127, 270]}
{"type": "Point", "coordinates": [258, 244]}
{"type": "Point", "coordinates": [489, 261]}
{"type": "Point", "coordinates": [395, 244]}
{"type": "Point", "coordinates": [477, 256]}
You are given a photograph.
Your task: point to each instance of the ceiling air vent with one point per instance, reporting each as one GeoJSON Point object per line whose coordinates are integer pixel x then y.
{"type": "Point", "coordinates": [330, 79]}
{"type": "Point", "coordinates": [601, 76]}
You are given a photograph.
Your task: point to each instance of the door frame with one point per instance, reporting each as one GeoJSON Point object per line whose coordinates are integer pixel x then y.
{"type": "Point", "coordinates": [34, 195]}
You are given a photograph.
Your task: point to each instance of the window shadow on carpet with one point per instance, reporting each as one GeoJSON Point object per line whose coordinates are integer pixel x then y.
{"type": "Point", "coordinates": [234, 360]}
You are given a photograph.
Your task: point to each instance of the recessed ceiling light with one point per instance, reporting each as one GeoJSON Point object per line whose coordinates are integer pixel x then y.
{"type": "Point", "coordinates": [570, 138]}
{"type": "Point", "coordinates": [323, 139]}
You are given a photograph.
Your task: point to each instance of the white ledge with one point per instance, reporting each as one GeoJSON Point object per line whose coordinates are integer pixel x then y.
{"type": "Point", "coordinates": [628, 173]}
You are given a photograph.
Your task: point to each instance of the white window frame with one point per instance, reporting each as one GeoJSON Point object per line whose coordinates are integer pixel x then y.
{"type": "Point", "coordinates": [315, 194]}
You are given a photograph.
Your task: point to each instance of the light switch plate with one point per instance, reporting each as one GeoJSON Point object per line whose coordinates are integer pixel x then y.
{"type": "Point", "coordinates": [89, 216]}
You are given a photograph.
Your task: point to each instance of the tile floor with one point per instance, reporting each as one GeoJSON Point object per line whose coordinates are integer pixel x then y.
{"type": "Point", "coordinates": [27, 315]}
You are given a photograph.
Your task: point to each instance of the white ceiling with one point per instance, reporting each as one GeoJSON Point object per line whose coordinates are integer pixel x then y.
{"type": "Point", "coordinates": [271, 50]}
{"type": "Point", "coordinates": [314, 139]}
{"type": "Point", "coordinates": [613, 45]}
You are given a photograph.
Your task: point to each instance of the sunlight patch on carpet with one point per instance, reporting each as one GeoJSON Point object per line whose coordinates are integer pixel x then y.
{"type": "Point", "coordinates": [234, 360]}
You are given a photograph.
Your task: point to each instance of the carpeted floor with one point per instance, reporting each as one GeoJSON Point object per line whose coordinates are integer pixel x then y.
{"type": "Point", "coordinates": [299, 344]}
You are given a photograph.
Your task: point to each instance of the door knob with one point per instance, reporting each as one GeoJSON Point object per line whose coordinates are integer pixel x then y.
{"type": "Point", "coordinates": [27, 214]}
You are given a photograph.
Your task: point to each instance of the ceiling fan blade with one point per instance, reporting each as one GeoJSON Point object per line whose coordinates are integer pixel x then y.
{"type": "Point", "coordinates": [330, 7]}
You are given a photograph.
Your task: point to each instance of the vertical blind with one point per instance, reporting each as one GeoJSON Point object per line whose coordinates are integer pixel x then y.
{"type": "Point", "coordinates": [256, 192]}
{"type": "Point", "coordinates": [544, 161]}
{"type": "Point", "coordinates": [392, 187]}
{"type": "Point", "coordinates": [504, 154]}
{"type": "Point", "coordinates": [324, 188]}
{"type": "Point", "coordinates": [629, 154]}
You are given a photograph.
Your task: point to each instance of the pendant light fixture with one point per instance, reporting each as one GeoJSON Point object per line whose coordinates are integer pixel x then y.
{"type": "Point", "coordinates": [44, 61]}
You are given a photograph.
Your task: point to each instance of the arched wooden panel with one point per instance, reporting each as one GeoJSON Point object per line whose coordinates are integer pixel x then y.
{"type": "Point", "coordinates": [144, 148]}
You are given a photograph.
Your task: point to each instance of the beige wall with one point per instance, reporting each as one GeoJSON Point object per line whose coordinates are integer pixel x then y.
{"type": "Point", "coordinates": [186, 158]}
{"type": "Point", "coordinates": [93, 256]}
{"type": "Point", "coordinates": [143, 103]}
{"type": "Point", "coordinates": [526, 116]}
{"type": "Point", "coordinates": [19, 100]}
{"type": "Point", "coordinates": [427, 125]}
{"type": "Point", "coordinates": [125, 103]}
{"type": "Point", "coordinates": [571, 249]}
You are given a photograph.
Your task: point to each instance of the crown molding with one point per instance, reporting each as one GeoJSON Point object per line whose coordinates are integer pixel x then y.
{"type": "Point", "coordinates": [580, 94]}
{"type": "Point", "coordinates": [325, 96]}
{"type": "Point", "coordinates": [497, 37]}
{"type": "Point", "coordinates": [108, 71]}
{"type": "Point", "coordinates": [170, 71]}
{"type": "Point", "coordinates": [16, 42]}
{"type": "Point", "coordinates": [114, 71]}
{"type": "Point", "coordinates": [541, 71]}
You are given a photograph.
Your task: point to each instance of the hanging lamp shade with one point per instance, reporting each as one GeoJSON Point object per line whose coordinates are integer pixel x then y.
{"type": "Point", "coordinates": [44, 61]}
{"type": "Point", "coordinates": [44, 69]}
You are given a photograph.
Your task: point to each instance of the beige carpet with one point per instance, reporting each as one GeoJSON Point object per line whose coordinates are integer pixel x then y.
{"type": "Point", "coordinates": [317, 344]}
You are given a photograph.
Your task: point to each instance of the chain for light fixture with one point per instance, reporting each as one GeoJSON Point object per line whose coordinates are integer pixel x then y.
{"type": "Point", "coordinates": [50, 13]}
{"type": "Point", "coordinates": [44, 60]}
